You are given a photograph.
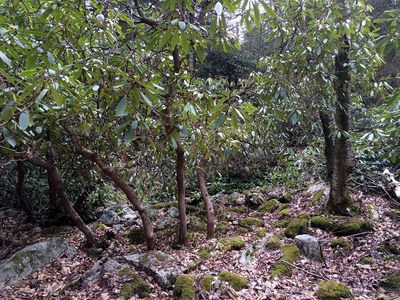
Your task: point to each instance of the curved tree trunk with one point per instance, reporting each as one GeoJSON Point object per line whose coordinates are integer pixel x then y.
{"type": "Point", "coordinates": [55, 179]}
{"type": "Point", "coordinates": [122, 184]}
{"type": "Point", "coordinates": [339, 198]}
{"type": "Point", "coordinates": [329, 145]}
{"type": "Point", "coordinates": [54, 205]}
{"type": "Point", "coordinates": [180, 180]}
{"type": "Point", "coordinates": [20, 191]}
{"type": "Point", "coordinates": [206, 198]}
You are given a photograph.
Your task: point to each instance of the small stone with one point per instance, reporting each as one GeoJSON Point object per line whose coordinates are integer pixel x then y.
{"type": "Point", "coordinates": [309, 246]}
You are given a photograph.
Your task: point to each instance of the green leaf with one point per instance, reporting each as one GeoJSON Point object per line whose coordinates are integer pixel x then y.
{"type": "Point", "coordinates": [166, 37]}
{"type": "Point", "coordinates": [146, 99]}
{"type": "Point", "coordinates": [182, 25]}
{"type": "Point", "coordinates": [257, 19]}
{"type": "Point", "coordinates": [23, 121]}
{"type": "Point", "coordinates": [218, 8]}
{"type": "Point", "coordinates": [41, 95]}
{"type": "Point", "coordinates": [268, 9]}
{"type": "Point", "coordinates": [293, 119]}
{"type": "Point", "coordinates": [121, 107]}
{"type": "Point", "coordinates": [9, 137]}
{"type": "Point", "coordinates": [31, 60]}
{"type": "Point", "coordinates": [50, 57]}
{"type": "Point", "coordinates": [5, 59]}
{"type": "Point", "coordinates": [219, 121]}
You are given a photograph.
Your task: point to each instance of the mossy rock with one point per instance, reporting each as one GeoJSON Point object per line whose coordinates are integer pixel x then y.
{"type": "Point", "coordinates": [261, 233]}
{"type": "Point", "coordinates": [239, 210]}
{"type": "Point", "coordinates": [242, 230]}
{"type": "Point", "coordinates": [394, 214]}
{"type": "Point", "coordinates": [232, 244]}
{"type": "Point", "coordinates": [206, 282]}
{"type": "Point", "coordinates": [169, 204]}
{"type": "Point", "coordinates": [317, 196]}
{"type": "Point", "coordinates": [392, 281]}
{"type": "Point", "coordinates": [366, 260]}
{"type": "Point", "coordinates": [222, 227]}
{"type": "Point", "coordinates": [236, 281]}
{"type": "Point", "coordinates": [291, 254]}
{"type": "Point", "coordinates": [99, 226]}
{"type": "Point", "coordinates": [341, 243]}
{"type": "Point", "coordinates": [184, 287]}
{"type": "Point", "coordinates": [205, 253]}
{"type": "Point", "coordinates": [272, 243]}
{"type": "Point", "coordinates": [303, 215]}
{"type": "Point", "coordinates": [333, 290]}
{"type": "Point", "coordinates": [341, 226]}
{"type": "Point", "coordinates": [296, 227]}
{"type": "Point", "coordinates": [284, 214]}
{"type": "Point", "coordinates": [137, 236]}
{"type": "Point", "coordinates": [269, 207]}
{"type": "Point", "coordinates": [281, 269]}
{"type": "Point", "coordinates": [282, 223]}
{"type": "Point", "coordinates": [254, 199]}
{"type": "Point", "coordinates": [250, 222]}
{"type": "Point", "coordinates": [286, 198]}
{"type": "Point", "coordinates": [135, 286]}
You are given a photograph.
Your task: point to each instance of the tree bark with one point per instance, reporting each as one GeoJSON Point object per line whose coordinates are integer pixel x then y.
{"type": "Point", "coordinates": [20, 191]}
{"type": "Point", "coordinates": [54, 204]}
{"type": "Point", "coordinates": [55, 179]}
{"type": "Point", "coordinates": [329, 144]}
{"type": "Point", "coordinates": [339, 198]}
{"type": "Point", "coordinates": [122, 184]}
{"type": "Point", "coordinates": [206, 198]}
{"type": "Point", "coordinates": [180, 180]}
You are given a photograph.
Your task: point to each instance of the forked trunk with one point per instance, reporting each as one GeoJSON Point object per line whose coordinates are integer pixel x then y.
{"type": "Point", "coordinates": [180, 180]}
{"type": "Point", "coordinates": [122, 184]}
{"type": "Point", "coordinates": [56, 181]}
{"type": "Point", "coordinates": [206, 198]}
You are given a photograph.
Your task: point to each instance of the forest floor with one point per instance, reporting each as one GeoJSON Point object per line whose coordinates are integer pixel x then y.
{"type": "Point", "coordinates": [344, 265]}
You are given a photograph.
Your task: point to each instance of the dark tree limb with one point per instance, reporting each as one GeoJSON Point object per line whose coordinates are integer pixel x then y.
{"type": "Point", "coordinates": [206, 198]}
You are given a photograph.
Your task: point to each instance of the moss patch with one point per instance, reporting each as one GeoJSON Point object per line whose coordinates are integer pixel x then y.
{"type": "Point", "coordinates": [205, 253]}
{"type": "Point", "coordinates": [184, 287]}
{"type": "Point", "coordinates": [391, 281]}
{"type": "Point", "coordinates": [341, 243]}
{"type": "Point", "coordinates": [340, 225]}
{"type": "Point", "coordinates": [295, 227]}
{"type": "Point", "coordinates": [249, 222]}
{"type": "Point", "coordinates": [99, 226]}
{"type": "Point", "coordinates": [206, 281]}
{"type": "Point", "coordinates": [169, 204]}
{"type": "Point", "coordinates": [282, 224]}
{"type": "Point", "coordinates": [222, 227]}
{"type": "Point", "coordinates": [232, 244]}
{"type": "Point", "coordinates": [137, 236]}
{"type": "Point", "coordinates": [236, 281]}
{"type": "Point", "coordinates": [284, 214]}
{"type": "Point", "coordinates": [317, 196]}
{"type": "Point", "coordinates": [366, 260]}
{"type": "Point", "coordinates": [135, 286]}
{"type": "Point", "coordinates": [272, 243]}
{"type": "Point", "coordinates": [332, 290]}
{"type": "Point", "coordinates": [290, 254]}
{"type": "Point", "coordinates": [269, 207]}
{"type": "Point", "coordinates": [261, 233]}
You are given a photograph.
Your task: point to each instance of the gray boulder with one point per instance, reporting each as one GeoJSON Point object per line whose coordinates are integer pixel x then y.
{"type": "Point", "coordinates": [169, 219]}
{"type": "Point", "coordinates": [309, 246]}
{"type": "Point", "coordinates": [31, 258]}
{"type": "Point", "coordinates": [129, 216]}
{"type": "Point", "coordinates": [109, 218]}
{"type": "Point", "coordinates": [160, 265]}
{"type": "Point", "coordinates": [111, 266]}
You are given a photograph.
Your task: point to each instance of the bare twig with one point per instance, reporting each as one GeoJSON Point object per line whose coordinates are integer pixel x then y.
{"type": "Point", "coordinates": [305, 271]}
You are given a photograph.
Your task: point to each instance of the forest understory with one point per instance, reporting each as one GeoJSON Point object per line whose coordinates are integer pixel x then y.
{"type": "Point", "coordinates": [362, 264]}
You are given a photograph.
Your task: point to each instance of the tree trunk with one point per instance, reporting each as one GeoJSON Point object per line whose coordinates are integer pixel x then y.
{"type": "Point", "coordinates": [20, 191]}
{"type": "Point", "coordinates": [180, 180]}
{"type": "Point", "coordinates": [54, 205]}
{"type": "Point", "coordinates": [206, 198]}
{"type": "Point", "coordinates": [339, 198]}
{"type": "Point", "coordinates": [122, 184]}
{"type": "Point", "coordinates": [56, 181]}
{"type": "Point", "coordinates": [329, 145]}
